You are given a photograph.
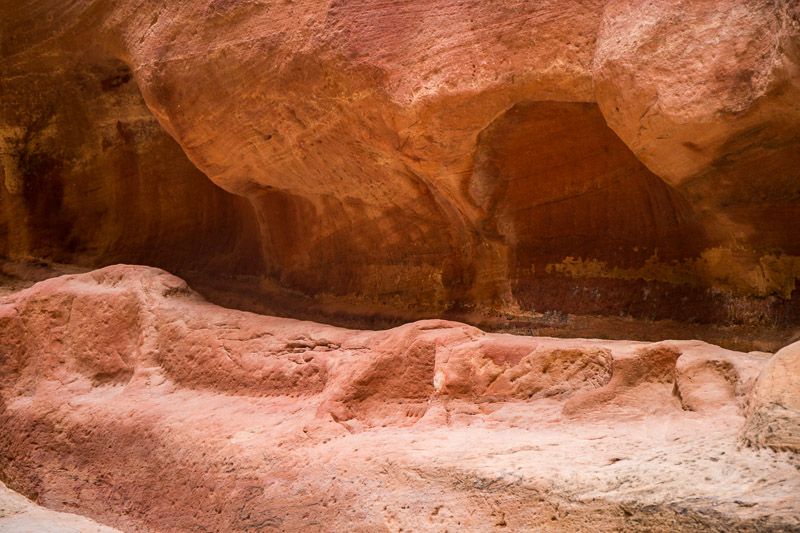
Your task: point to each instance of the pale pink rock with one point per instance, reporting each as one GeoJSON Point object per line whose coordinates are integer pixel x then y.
{"type": "Point", "coordinates": [126, 397]}
{"type": "Point", "coordinates": [773, 415]}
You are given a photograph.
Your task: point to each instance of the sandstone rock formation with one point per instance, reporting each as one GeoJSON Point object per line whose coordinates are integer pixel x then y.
{"type": "Point", "coordinates": [592, 168]}
{"type": "Point", "coordinates": [773, 417]}
{"type": "Point", "coordinates": [128, 398]}
{"type": "Point", "coordinates": [19, 515]}
{"type": "Point", "coordinates": [605, 157]}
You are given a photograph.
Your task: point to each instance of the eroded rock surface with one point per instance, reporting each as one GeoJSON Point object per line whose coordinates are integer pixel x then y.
{"type": "Point", "coordinates": [773, 417]}
{"type": "Point", "coordinates": [18, 515]}
{"type": "Point", "coordinates": [595, 158]}
{"type": "Point", "coordinates": [127, 397]}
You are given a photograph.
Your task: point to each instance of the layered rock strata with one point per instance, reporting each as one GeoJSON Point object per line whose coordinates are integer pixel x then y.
{"type": "Point", "coordinates": [611, 158]}
{"type": "Point", "coordinates": [128, 398]}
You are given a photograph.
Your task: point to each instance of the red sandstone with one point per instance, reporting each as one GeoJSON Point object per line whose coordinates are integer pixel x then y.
{"type": "Point", "coordinates": [127, 397]}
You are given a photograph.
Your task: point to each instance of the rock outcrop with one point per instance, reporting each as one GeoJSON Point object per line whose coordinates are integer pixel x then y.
{"type": "Point", "coordinates": [606, 157]}
{"type": "Point", "coordinates": [128, 398]}
{"type": "Point", "coordinates": [592, 168]}
{"type": "Point", "coordinates": [773, 417]}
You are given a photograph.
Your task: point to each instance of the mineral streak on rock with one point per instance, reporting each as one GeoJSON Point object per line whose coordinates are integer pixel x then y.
{"type": "Point", "coordinates": [595, 168]}
{"type": "Point", "coordinates": [128, 398]}
{"type": "Point", "coordinates": [610, 158]}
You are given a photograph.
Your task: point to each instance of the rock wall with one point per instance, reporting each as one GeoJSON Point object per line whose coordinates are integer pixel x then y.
{"type": "Point", "coordinates": [606, 158]}
{"type": "Point", "coordinates": [91, 178]}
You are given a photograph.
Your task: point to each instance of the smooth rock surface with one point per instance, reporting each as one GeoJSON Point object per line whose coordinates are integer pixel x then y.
{"type": "Point", "coordinates": [126, 396]}
{"type": "Point", "coordinates": [773, 417]}
{"type": "Point", "coordinates": [19, 515]}
{"type": "Point", "coordinates": [428, 158]}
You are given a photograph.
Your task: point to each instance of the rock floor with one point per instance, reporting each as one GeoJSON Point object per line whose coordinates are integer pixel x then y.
{"type": "Point", "coordinates": [126, 397]}
{"type": "Point", "coordinates": [20, 515]}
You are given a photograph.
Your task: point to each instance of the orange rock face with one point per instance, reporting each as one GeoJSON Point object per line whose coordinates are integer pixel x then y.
{"type": "Point", "coordinates": [128, 398]}
{"type": "Point", "coordinates": [604, 158]}
{"type": "Point", "coordinates": [589, 168]}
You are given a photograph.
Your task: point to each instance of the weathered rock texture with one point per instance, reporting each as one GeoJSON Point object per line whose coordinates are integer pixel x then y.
{"type": "Point", "coordinates": [773, 417]}
{"type": "Point", "coordinates": [607, 157]}
{"type": "Point", "coordinates": [18, 515]}
{"type": "Point", "coordinates": [128, 398]}
{"type": "Point", "coordinates": [90, 177]}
